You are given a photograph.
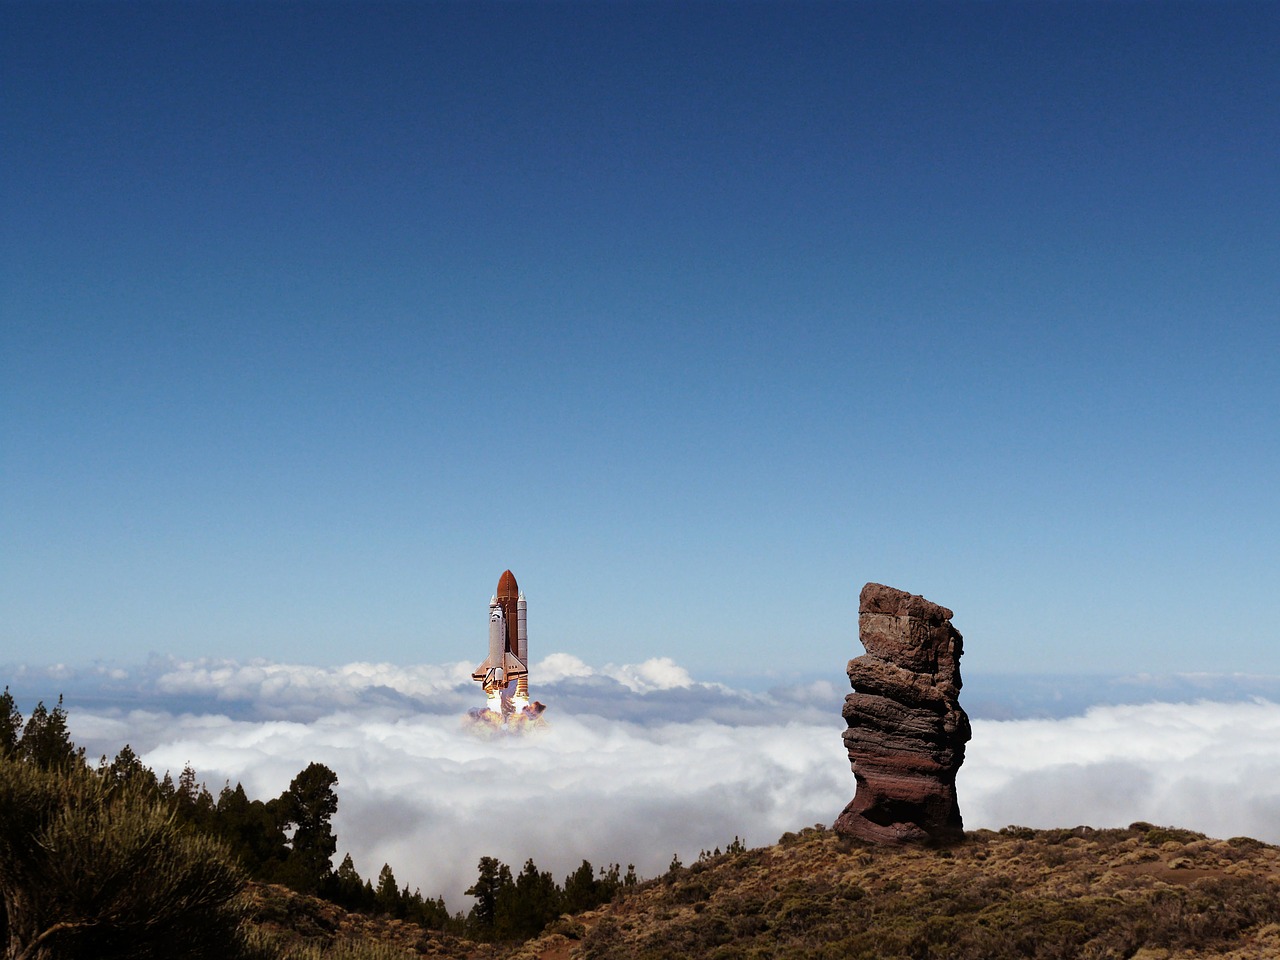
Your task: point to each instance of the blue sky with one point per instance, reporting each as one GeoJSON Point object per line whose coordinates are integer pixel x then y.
{"type": "Point", "coordinates": [695, 316]}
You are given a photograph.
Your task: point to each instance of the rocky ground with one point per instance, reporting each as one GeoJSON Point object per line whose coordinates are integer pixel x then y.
{"type": "Point", "coordinates": [1144, 892]}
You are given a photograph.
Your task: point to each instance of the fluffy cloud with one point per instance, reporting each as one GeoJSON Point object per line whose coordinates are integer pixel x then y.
{"type": "Point", "coordinates": [637, 762]}
{"type": "Point", "coordinates": [1214, 767]}
{"type": "Point", "coordinates": [294, 690]}
{"type": "Point", "coordinates": [280, 682]}
{"type": "Point", "coordinates": [431, 794]}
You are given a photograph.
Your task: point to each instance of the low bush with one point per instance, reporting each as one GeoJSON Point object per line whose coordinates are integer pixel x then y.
{"type": "Point", "coordinates": [93, 869]}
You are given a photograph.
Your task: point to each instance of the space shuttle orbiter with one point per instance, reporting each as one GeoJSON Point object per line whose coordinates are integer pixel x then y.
{"type": "Point", "coordinates": [508, 641]}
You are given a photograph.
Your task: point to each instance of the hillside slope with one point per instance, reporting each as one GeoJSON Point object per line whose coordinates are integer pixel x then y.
{"type": "Point", "coordinates": [286, 925]}
{"type": "Point", "coordinates": [1143, 892]}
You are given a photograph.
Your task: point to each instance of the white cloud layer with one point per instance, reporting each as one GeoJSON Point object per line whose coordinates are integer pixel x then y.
{"type": "Point", "coordinates": [1213, 767]}
{"type": "Point", "coordinates": [640, 761]}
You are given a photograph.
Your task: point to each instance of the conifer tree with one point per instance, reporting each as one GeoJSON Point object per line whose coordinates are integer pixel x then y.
{"type": "Point", "coordinates": [534, 902]}
{"type": "Point", "coordinates": [347, 889]}
{"type": "Point", "coordinates": [187, 790]}
{"type": "Point", "coordinates": [45, 740]}
{"type": "Point", "coordinates": [251, 830]}
{"type": "Point", "coordinates": [581, 889]}
{"type": "Point", "coordinates": [347, 870]}
{"type": "Point", "coordinates": [494, 877]}
{"type": "Point", "coordinates": [127, 767]}
{"type": "Point", "coordinates": [307, 807]}
{"type": "Point", "coordinates": [388, 894]}
{"type": "Point", "coordinates": [10, 725]}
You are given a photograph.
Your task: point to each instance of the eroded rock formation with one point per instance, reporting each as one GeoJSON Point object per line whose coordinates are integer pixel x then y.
{"type": "Point", "coordinates": [906, 731]}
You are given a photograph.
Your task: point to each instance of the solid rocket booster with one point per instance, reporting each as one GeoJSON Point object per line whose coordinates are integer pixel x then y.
{"type": "Point", "coordinates": [522, 645]}
{"type": "Point", "coordinates": [508, 652]}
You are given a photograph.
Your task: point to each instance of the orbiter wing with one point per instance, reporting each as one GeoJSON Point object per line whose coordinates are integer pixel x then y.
{"type": "Point", "coordinates": [512, 668]}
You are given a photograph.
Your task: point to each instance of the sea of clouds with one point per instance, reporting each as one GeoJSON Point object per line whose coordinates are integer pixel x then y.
{"type": "Point", "coordinates": [637, 762]}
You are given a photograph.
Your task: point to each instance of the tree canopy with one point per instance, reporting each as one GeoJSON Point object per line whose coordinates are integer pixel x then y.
{"type": "Point", "coordinates": [307, 808]}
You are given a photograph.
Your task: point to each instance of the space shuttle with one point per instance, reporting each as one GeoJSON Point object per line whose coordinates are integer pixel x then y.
{"type": "Point", "coordinates": [508, 641]}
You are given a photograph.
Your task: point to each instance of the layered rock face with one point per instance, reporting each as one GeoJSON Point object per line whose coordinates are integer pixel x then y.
{"type": "Point", "coordinates": [906, 731]}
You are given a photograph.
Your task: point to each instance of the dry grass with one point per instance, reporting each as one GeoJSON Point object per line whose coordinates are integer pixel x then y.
{"type": "Point", "coordinates": [1142, 892]}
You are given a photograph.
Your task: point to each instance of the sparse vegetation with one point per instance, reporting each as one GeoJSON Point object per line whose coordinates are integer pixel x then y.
{"type": "Point", "coordinates": [1018, 893]}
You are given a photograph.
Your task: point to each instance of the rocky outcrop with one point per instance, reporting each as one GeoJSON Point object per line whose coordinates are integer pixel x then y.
{"type": "Point", "coordinates": [906, 732]}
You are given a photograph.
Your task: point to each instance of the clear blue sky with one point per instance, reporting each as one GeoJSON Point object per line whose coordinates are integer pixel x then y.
{"type": "Point", "coordinates": [696, 316]}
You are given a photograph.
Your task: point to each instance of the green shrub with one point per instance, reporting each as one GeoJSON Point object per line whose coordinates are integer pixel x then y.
{"type": "Point", "coordinates": [94, 869]}
{"type": "Point", "coordinates": [1158, 835]}
{"type": "Point", "coordinates": [1017, 833]}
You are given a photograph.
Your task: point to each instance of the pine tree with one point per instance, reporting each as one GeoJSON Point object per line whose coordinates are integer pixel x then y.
{"type": "Point", "coordinates": [534, 902]}
{"type": "Point", "coordinates": [347, 889]}
{"type": "Point", "coordinates": [232, 802]}
{"type": "Point", "coordinates": [388, 894]}
{"type": "Point", "coordinates": [45, 740]}
{"type": "Point", "coordinates": [609, 883]}
{"type": "Point", "coordinates": [10, 725]}
{"type": "Point", "coordinates": [494, 878]}
{"type": "Point", "coordinates": [128, 768]}
{"type": "Point", "coordinates": [252, 832]}
{"type": "Point", "coordinates": [187, 791]}
{"type": "Point", "coordinates": [581, 889]}
{"type": "Point", "coordinates": [347, 870]}
{"type": "Point", "coordinates": [205, 812]}
{"type": "Point", "coordinates": [307, 807]}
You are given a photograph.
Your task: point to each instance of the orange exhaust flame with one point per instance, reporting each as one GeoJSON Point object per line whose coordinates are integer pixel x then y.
{"type": "Point", "coordinates": [504, 714]}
